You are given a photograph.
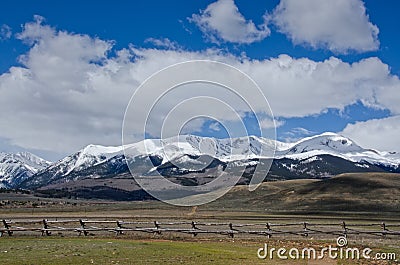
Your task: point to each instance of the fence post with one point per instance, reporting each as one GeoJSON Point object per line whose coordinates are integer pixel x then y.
{"type": "Point", "coordinates": [45, 227]}
{"type": "Point", "coordinates": [384, 229]}
{"type": "Point", "coordinates": [269, 230]}
{"type": "Point", "coordinates": [157, 225]}
{"type": "Point", "coordinates": [231, 230]}
{"type": "Point", "coordinates": [7, 227]}
{"type": "Point", "coordinates": [194, 228]}
{"type": "Point", "coordinates": [344, 229]}
{"type": "Point", "coordinates": [119, 227]}
{"type": "Point", "coordinates": [83, 228]}
{"type": "Point", "coordinates": [305, 229]}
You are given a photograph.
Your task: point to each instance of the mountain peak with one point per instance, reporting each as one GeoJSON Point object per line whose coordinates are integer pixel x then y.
{"type": "Point", "coordinates": [17, 167]}
{"type": "Point", "coordinates": [330, 143]}
{"type": "Point", "coordinates": [93, 149]}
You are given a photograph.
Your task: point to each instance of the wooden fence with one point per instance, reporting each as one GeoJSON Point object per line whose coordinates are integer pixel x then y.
{"type": "Point", "coordinates": [88, 227]}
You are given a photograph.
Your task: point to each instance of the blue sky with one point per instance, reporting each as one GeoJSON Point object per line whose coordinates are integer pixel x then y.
{"type": "Point", "coordinates": [342, 46]}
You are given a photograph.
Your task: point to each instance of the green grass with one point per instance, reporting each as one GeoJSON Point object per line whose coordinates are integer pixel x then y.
{"type": "Point", "coordinates": [122, 251]}
{"type": "Point", "coordinates": [80, 250]}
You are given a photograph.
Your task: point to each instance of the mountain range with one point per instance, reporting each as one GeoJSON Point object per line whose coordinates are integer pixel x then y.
{"type": "Point", "coordinates": [102, 172]}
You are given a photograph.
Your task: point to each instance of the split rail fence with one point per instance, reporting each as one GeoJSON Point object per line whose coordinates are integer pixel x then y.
{"type": "Point", "coordinates": [91, 227]}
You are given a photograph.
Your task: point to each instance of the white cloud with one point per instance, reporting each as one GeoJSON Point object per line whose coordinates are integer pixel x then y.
{"type": "Point", "coordinates": [5, 32]}
{"type": "Point", "coordinates": [163, 43]}
{"type": "Point", "coordinates": [215, 127]}
{"type": "Point", "coordinates": [270, 123]}
{"type": "Point", "coordinates": [388, 94]}
{"type": "Point", "coordinates": [60, 98]}
{"type": "Point", "coordinates": [71, 92]}
{"type": "Point", "coordinates": [381, 134]}
{"type": "Point", "coordinates": [301, 131]}
{"type": "Point", "coordinates": [194, 126]}
{"type": "Point", "coordinates": [222, 20]}
{"type": "Point", "coordinates": [339, 25]}
{"type": "Point", "coordinates": [296, 134]}
{"type": "Point", "coordinates": [301, 87]}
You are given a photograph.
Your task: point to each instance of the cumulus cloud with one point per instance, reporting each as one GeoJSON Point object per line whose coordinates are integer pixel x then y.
{"type": "Point", "coordinates": [60, 94]}
{"type": "Point", "coordinates": [381, 134]}
{"type": "Point", "coordinates": [302, 87]}
{"type": "Point", "coordinates": [5, 32]}
{"type": "Point", "coordinates": [70, 91]}
{"type": "Point", "coordinates": [222, 20]}
{"type": "Point", "coordinates": [340, 25]}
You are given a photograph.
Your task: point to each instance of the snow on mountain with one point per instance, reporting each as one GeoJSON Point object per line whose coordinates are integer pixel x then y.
{"type": "Point", "coordinates": [89, 156]}
{"type": "Point", "coordinates": [16, 168]}
{"type": "Point", "coordinates": [339, 146]}
{"type": "Point", "coordinates": [188, 154]}
{"type": "Point", "coordinates": [325, 142]}
{"type": "Point", "coordinates": [235, 149]}
{"type": "Point", "coordinates": [223, 149]}
{"type": "Point", "coordinates": [245, 148]}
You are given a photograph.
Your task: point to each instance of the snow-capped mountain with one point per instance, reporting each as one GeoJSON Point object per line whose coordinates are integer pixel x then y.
{"type": "Point", "coordinates": [339, 146]}
{"type": "Point", "coordinates": [194, 159]}
{"type": "Point", "coordinates": [16, 168]}
{"type": "Point", "coordinates": [97, 160]}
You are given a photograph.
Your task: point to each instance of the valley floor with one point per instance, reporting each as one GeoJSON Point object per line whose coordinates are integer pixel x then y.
{"type": "Point", "coordinates": [89, 250]}
{"type": "Point", "coordinates": [355, 199]}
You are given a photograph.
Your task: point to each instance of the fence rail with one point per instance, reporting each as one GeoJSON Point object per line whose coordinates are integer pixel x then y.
{"type": "Point", "coordinates": [87, 226]}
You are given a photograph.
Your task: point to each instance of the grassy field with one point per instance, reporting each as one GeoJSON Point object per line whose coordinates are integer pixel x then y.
{"type": "Point", "coordinates": [369, 196]}
{"type": "Point", "coordinates": [108, 251]}
{"type": "Point", "coordinates": [57, 250]}
{"type": "Point", "coordinates": [361, 199]}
